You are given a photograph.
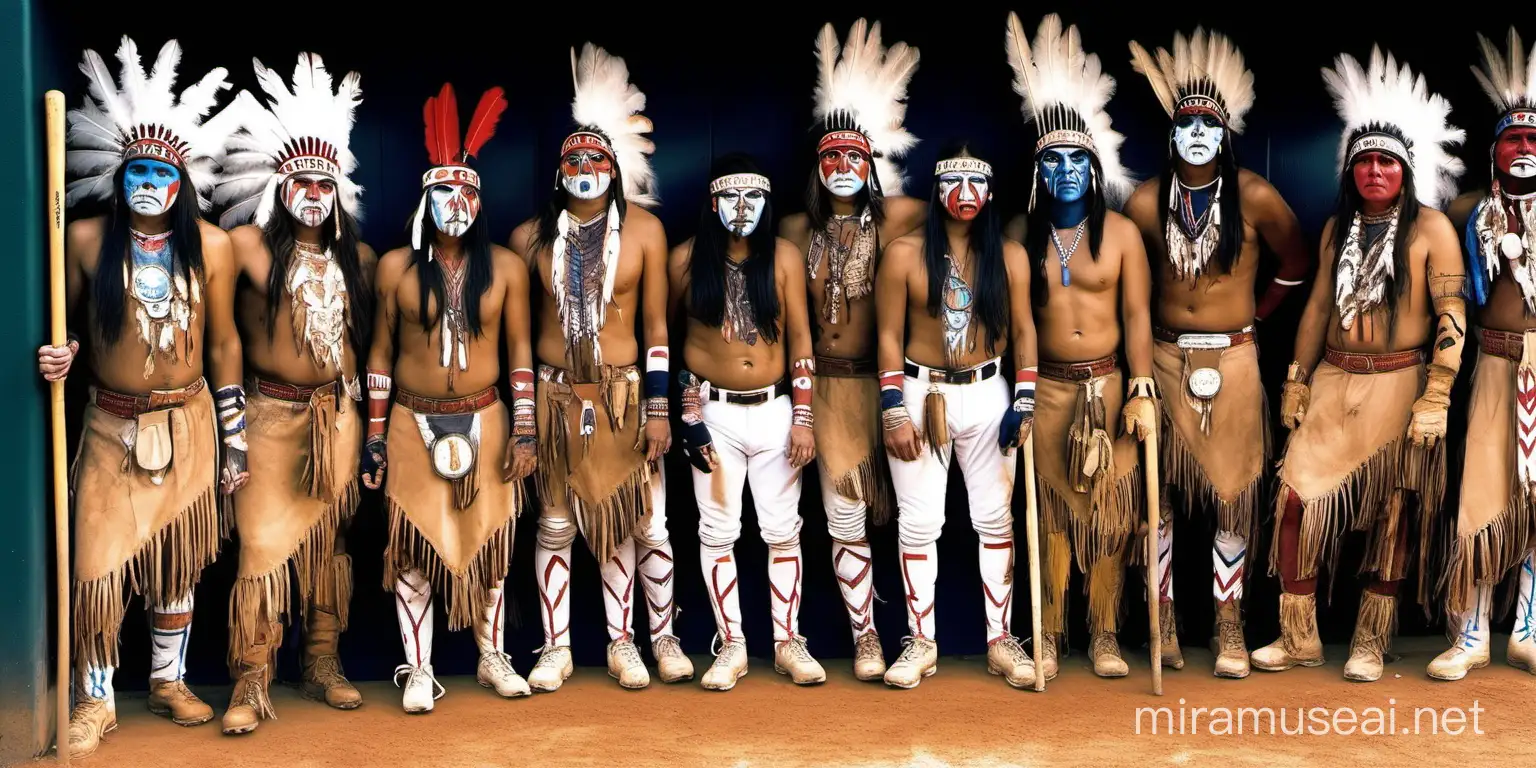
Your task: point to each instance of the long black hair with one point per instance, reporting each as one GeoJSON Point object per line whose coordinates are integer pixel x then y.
{"type": "Point", "coordinates": [990, 286]}
{"type": "Point", "coordinates": [429, 275]}
{"type": "Point", "coordinates": [706, 259]}
{"type": "Point", "coordinates": [1350, 202]}
{"type": "Point", "coordinates": [280, 240]}
{"type": "Point", "coordinates": [549, 215]}
{"type": "Point", "coordinates": [1231, 203]}
{"type": "Point", "coordinates": [186, 243]}
{"type": "Point", "coordinates": [818, 199]}
{"type": "Point", "coordinates": [1037, 234]}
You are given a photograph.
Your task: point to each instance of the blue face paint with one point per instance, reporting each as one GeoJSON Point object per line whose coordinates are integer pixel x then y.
{"type": "Point", "coordinates": [1068, 172]}
{"type": "Point", "coordinates": [150, 186]}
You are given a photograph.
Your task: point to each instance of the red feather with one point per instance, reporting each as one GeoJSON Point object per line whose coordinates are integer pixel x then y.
{"type": "Point", "coordinates": [483, 125]}
{"type": "Point", "coordinates": [442, 116]}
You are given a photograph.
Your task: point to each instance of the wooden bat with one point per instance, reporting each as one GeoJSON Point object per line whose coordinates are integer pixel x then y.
{"type": "Point", "coordinates": [1154, 507]}
{"type": "Point", "coordinates": [1032, 527]}
{"type": "Point", "coordinates": [53, 103]}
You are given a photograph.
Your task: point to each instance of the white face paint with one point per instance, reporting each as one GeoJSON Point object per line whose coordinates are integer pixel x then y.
{"type": "Point", "coordinates": [310, 197]}
{"type": "Point", "coordinates": [454, 207]}
{"type": "Point", "coordinates": [740, 209]}
{"type": "Point", "coordinates": [586, 173]}
{"type": "Point", "coordinates": [964, 193]}
{"type": "Point", "coordinates": [1197, 138]}
{"type": "Point", "coordinates": [1523, 167]}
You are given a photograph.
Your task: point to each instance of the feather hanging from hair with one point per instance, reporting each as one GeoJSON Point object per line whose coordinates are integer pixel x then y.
{"type": "Point", "coordinates": [483, 125]}
{"type": "Point", "coordinates": [442, 116]}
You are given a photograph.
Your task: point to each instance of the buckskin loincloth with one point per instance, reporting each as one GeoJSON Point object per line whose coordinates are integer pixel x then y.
{"type": "Point", "coordinates": [304, 443]}
{"type": "Point", "coordinates": [1350, 454]}
{"type": "Point", "coordinates": [1214, 450]}
{"type": "Point", "coordinates": [1495, 524]}
{"type": "Point", "coordinates": [849, 445]}
{"type": "Point", "coordinates": [458, 532]}
{"type": "Point", "coordinates": [155, 537]}
{"type": "Point", "coordinates": [603, 477]}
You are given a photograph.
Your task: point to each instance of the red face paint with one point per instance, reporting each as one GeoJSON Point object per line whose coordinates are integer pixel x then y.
{"type": "Point", "coordinates": [1514, 159]}
{"type": "Point", "coordinates": [1378, 178]}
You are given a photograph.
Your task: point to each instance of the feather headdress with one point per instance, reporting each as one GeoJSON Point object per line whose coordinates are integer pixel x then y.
{"type": "Point", "coordinates": [607, 110]}
{"type": "Point", "coordinates": [142, 116]}
{"type": "Point", "coordinates": [862, 88]}
{"type": "Point", "coordinates": [1065, 90]}
{"type": "Point", "coordinates": [1386, 108]}
{"type": "Point", "coordinates": [450, 157]}
{"type": "Point", "coordinates": [1509, 82]}
{"type": "Point", "coordinates": [304, 130]}
{"type": "Point", "coordinates": [1204, 74]}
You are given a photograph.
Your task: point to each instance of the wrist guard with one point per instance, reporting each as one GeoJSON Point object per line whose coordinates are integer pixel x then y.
{"type": "Point", "coordinates": [695, 435]}
{"type": "Point", "coordinates": [230, 403]}
{"type": "Point", "coordinates": [1141, 386]}
{"type": "Point", "coordinates": [1295, 396]}
{"type": "Point", "coordinates": [523, 423]}
{"type": "Point", "coordinates": [658, 369]}
{"type": "Point", "coordinates": [379, 384]}
{"type": "Point", "coordinates": [1023, 409]}
{"type": "Point", "coordinates": [893, 407]}
{"type": "Point", "coordinates": [800, 381]}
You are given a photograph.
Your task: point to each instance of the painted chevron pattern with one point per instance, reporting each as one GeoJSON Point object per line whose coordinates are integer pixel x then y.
{"type": "Point", "coordinates": [1229, 570]}
{"type": "Point", "coordinates": [1525, 423]}
{"type": "Point", "coordinates": [1165, 561]}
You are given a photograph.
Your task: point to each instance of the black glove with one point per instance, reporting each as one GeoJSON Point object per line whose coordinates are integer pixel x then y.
{"type": "Point", "coordinates": [696, 441]}
{"type": "Point", "coordinates": [374, 460]}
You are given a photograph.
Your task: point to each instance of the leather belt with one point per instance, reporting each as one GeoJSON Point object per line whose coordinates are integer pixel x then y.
{"type": "Point", "coordinates": [837, 366]}
{"type": "Point", "coordinates": [1509, 346]}
{"type": "Point", "coordinates": [1359, 362]}
{"type": "Point", "coordinates": [1171, 336]}
{"type": "Point", "coordinates": [751, 397]}
{"type": "Point", "coordinates": [1083, 371]}
{"type": "Point", "coordinates": [963, 376]}
{"type": "Point", "coordinates": [437, 406]}
{"type": "Point", "coordinates": [293, 393]}
{"type": "Point", "coordinates": [126, 406]}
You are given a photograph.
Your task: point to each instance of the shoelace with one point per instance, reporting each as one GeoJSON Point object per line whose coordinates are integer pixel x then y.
{"type": "Point", "coordinates": [548, 656]}
{"type": "Point", "coordinates": [1015, 651]}
{"type": "Point", "coordinates": [868, 645]}
{"type": "Point", "coordinates": [1105, 643]}
{"type": "Point", "coordinates": [913, 651]}
{"type": "Point", "coordinates": [328, 671]}
{"type": "Point", "coordinates": [796, 649]}
{"type": "Point", "coordinates": [628, 654]}
{"type": "Point", "coordinates": [501, 663]}
{"type": "Point", "coordinates": [414, 678]}
{"type": "Point", "coordinates": [666, 646]}
{"type": "Point", "coordinates": [727, 652]}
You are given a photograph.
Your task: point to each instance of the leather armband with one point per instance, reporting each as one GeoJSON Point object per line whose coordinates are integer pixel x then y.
{"type": "Point", "coordinates": [801, 377]}
{"type": "Point", "coordinates": [523, 423]}
{"type": "Point", "coordinates": [379, 386]}
{"type": "Point", "coordinates": [893, 406]}
{"type": "Point", "coordinates": [230, 403]}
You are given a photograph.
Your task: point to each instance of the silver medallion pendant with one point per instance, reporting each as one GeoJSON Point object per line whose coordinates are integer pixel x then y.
{"type": "Point", "coordinates": [152, 289]}
{"type": "Point", "coordinates": [1511, 246]}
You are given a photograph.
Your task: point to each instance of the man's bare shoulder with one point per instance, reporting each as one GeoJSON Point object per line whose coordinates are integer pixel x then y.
{"type": "Point", "coordinates": [213, 236]}
{"type": "Point", "coordinates": [247, 236]}
{"type": "Point", "coordinates": [1460, 209]}
{"type": "Point", "coordinates": [86, 233]}
{"type": "Point", "coordinates": [1256, 190]}
{"type": "Point", "coordinates": [1433, 223]}
{"type": "Point", "coordinates": [903, 252]}
{"type": "Point", "coordinates": [787, 255]}
{"type": "Point", "coordinates": [394, 262]}
{"type": "Point", "coordinates": [522, 237]}
{"type": "Point", "coordinates": [680, 253]}
{"type": "Point", "coordinates": [640, 218]}
{"type": "Point", "coordinates": [1145, 197]}
{"type": "Point", "coordinates": [795, 226]}
{"type": "Point", "coordinates": [366, 256]}
{"type": "Point", "coordinates": [1117, 224]}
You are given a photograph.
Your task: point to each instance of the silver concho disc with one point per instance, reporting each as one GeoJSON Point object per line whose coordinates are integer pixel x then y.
{"type": "Point", "coordinates": [453, 456]}
{"type": "Point", "coordinates": [1204, 383]}
{"type": "Point", "coordinates": [1511, 246]}
{"type": "Point", "coordinates": [152, 287]}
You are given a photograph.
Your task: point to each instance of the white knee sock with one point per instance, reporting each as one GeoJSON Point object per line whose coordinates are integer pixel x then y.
{"type": "Point", "coordinates": [853, 565]}
{"type": "Point", "coordinates": [619, 591]}
{"type": "Point", "coordinates": [1525, 624]}
{"type": "Point", "coordinates": [920, 573]}
{"type": "Point", "coordinates": [784, 575]}
{"type": "Point", "coordinates": [720, 580]}
{"type": "Point", "coordinates": [490, 632]}
{"type": "Point", "coordinates": [552, 573]}
{"type": "Point", "coordinates": [1475, 625]}
{"type": "Point", "coordinates": [995, 559]}
{"type": "Point", "coordinates": [656, 578]}
{"type": "Point", "coordinates": [413, 608]}
{"type": "Point", "coordinates": [95, 682]}
{"type": "Point", "coordinates": [1228, 554]}
{"type": "Point", "coordinates": [170, 630]}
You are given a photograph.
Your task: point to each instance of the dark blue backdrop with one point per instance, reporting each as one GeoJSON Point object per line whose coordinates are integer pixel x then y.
{"type": "Point", "coordinates": [726, 82]}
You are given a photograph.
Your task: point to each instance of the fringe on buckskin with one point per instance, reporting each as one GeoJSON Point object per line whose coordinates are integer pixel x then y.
{"type": "Point", "coordinates": [1487, 555]}
{"type": "Point", "coordinates": [1183, 471]}
{"type": "Point", "coordinates": [608, 524]}
{"type": "Point", "coordinates": [870, 481]}
{"type": "Point", "coordinates": [165, 568]}
{"type": "Point", "coordinates": [1104, 531]}
{"type": "Point", "coordinates": [1376, 624]}
{"type": "Point", "coordinates": [323, 576]}
{"type": "Point", "coordinates": [464, 591]}
{"type": "Point", "coordinates": [1358, 502]}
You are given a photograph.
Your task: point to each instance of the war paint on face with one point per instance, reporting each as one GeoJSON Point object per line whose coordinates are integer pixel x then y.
{"type": "Point", "coordinates": [150, 186]}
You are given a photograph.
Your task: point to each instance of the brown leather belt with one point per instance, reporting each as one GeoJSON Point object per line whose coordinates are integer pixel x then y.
{"type": "Point", "coordinates": [1084, 371]}
{"type": "Point", "coordinates": [438, 406]}
{"type": "Point", "coordinates": [756, 397]}
{"type": "Point", "coordinates": [1359, 362]}
{"type": "Point", "coordinates": [1509, 346]}
{"type": "Point", "coordinates": [963, 376]}
{"type": "Point", "coordinates": [1172, 336]}
{"type": "Point", "coordinates": [126, 406]}
{"type": "Point", "coordinates": [293, 393]}
{"type": "Point", "coordinates": [837, 366]}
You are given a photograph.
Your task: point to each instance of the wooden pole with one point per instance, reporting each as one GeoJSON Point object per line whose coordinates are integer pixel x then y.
{"type": "Point", "coordinates": [1032, 526]}
{"type": "Point", "coordinates": [1154, 510]}
{"type": "Point", "coordinates": [54, 108]}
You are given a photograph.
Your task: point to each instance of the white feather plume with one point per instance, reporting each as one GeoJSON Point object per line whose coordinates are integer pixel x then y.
{"type": "Point", "coordinates": [869, 82]}
{"type": "Point", "coordinates": [606, 100]}
{"type": "Point", "coordinates": [312, 108]}
{"type": "Point", "coordinates": [1205, 63]}
{"type": "Point", "coordinates": [1056, 71]}
{"type": "Point", "coordinates": [1508, 82]}
{"type": "Point", "coordinates": [104, 124]}
{"type": "Point", "coordinates": [1390, 95]}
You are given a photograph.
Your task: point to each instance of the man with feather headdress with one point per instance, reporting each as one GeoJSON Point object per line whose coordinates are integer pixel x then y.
{"type": "Point", "coordinates": [1086, 309]}
{"type": "Point", "coordinates": [854, 207]}
{"type": "Point", "coordinates": [1496, 520]}
{"type": "Point", "coordinates": [154, 283]}
{"type": "Point", "coordinates": [600, 260]}
{"type": "Point", "coordinates": [1204, 220]}
{"type": "Point", "coordinates": [1368, 415]}
{"type": "Point", "coordinates": [446, 306]}
{"type": "Point", "coordinates": [294, 211]}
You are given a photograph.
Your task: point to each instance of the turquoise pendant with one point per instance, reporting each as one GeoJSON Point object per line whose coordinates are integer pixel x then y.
{"type": "Point", "coordinates": [1066, 277]}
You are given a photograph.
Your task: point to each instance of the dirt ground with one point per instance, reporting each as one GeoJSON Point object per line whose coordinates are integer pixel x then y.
{"type": "Point", "coordinates": [961, 717]}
